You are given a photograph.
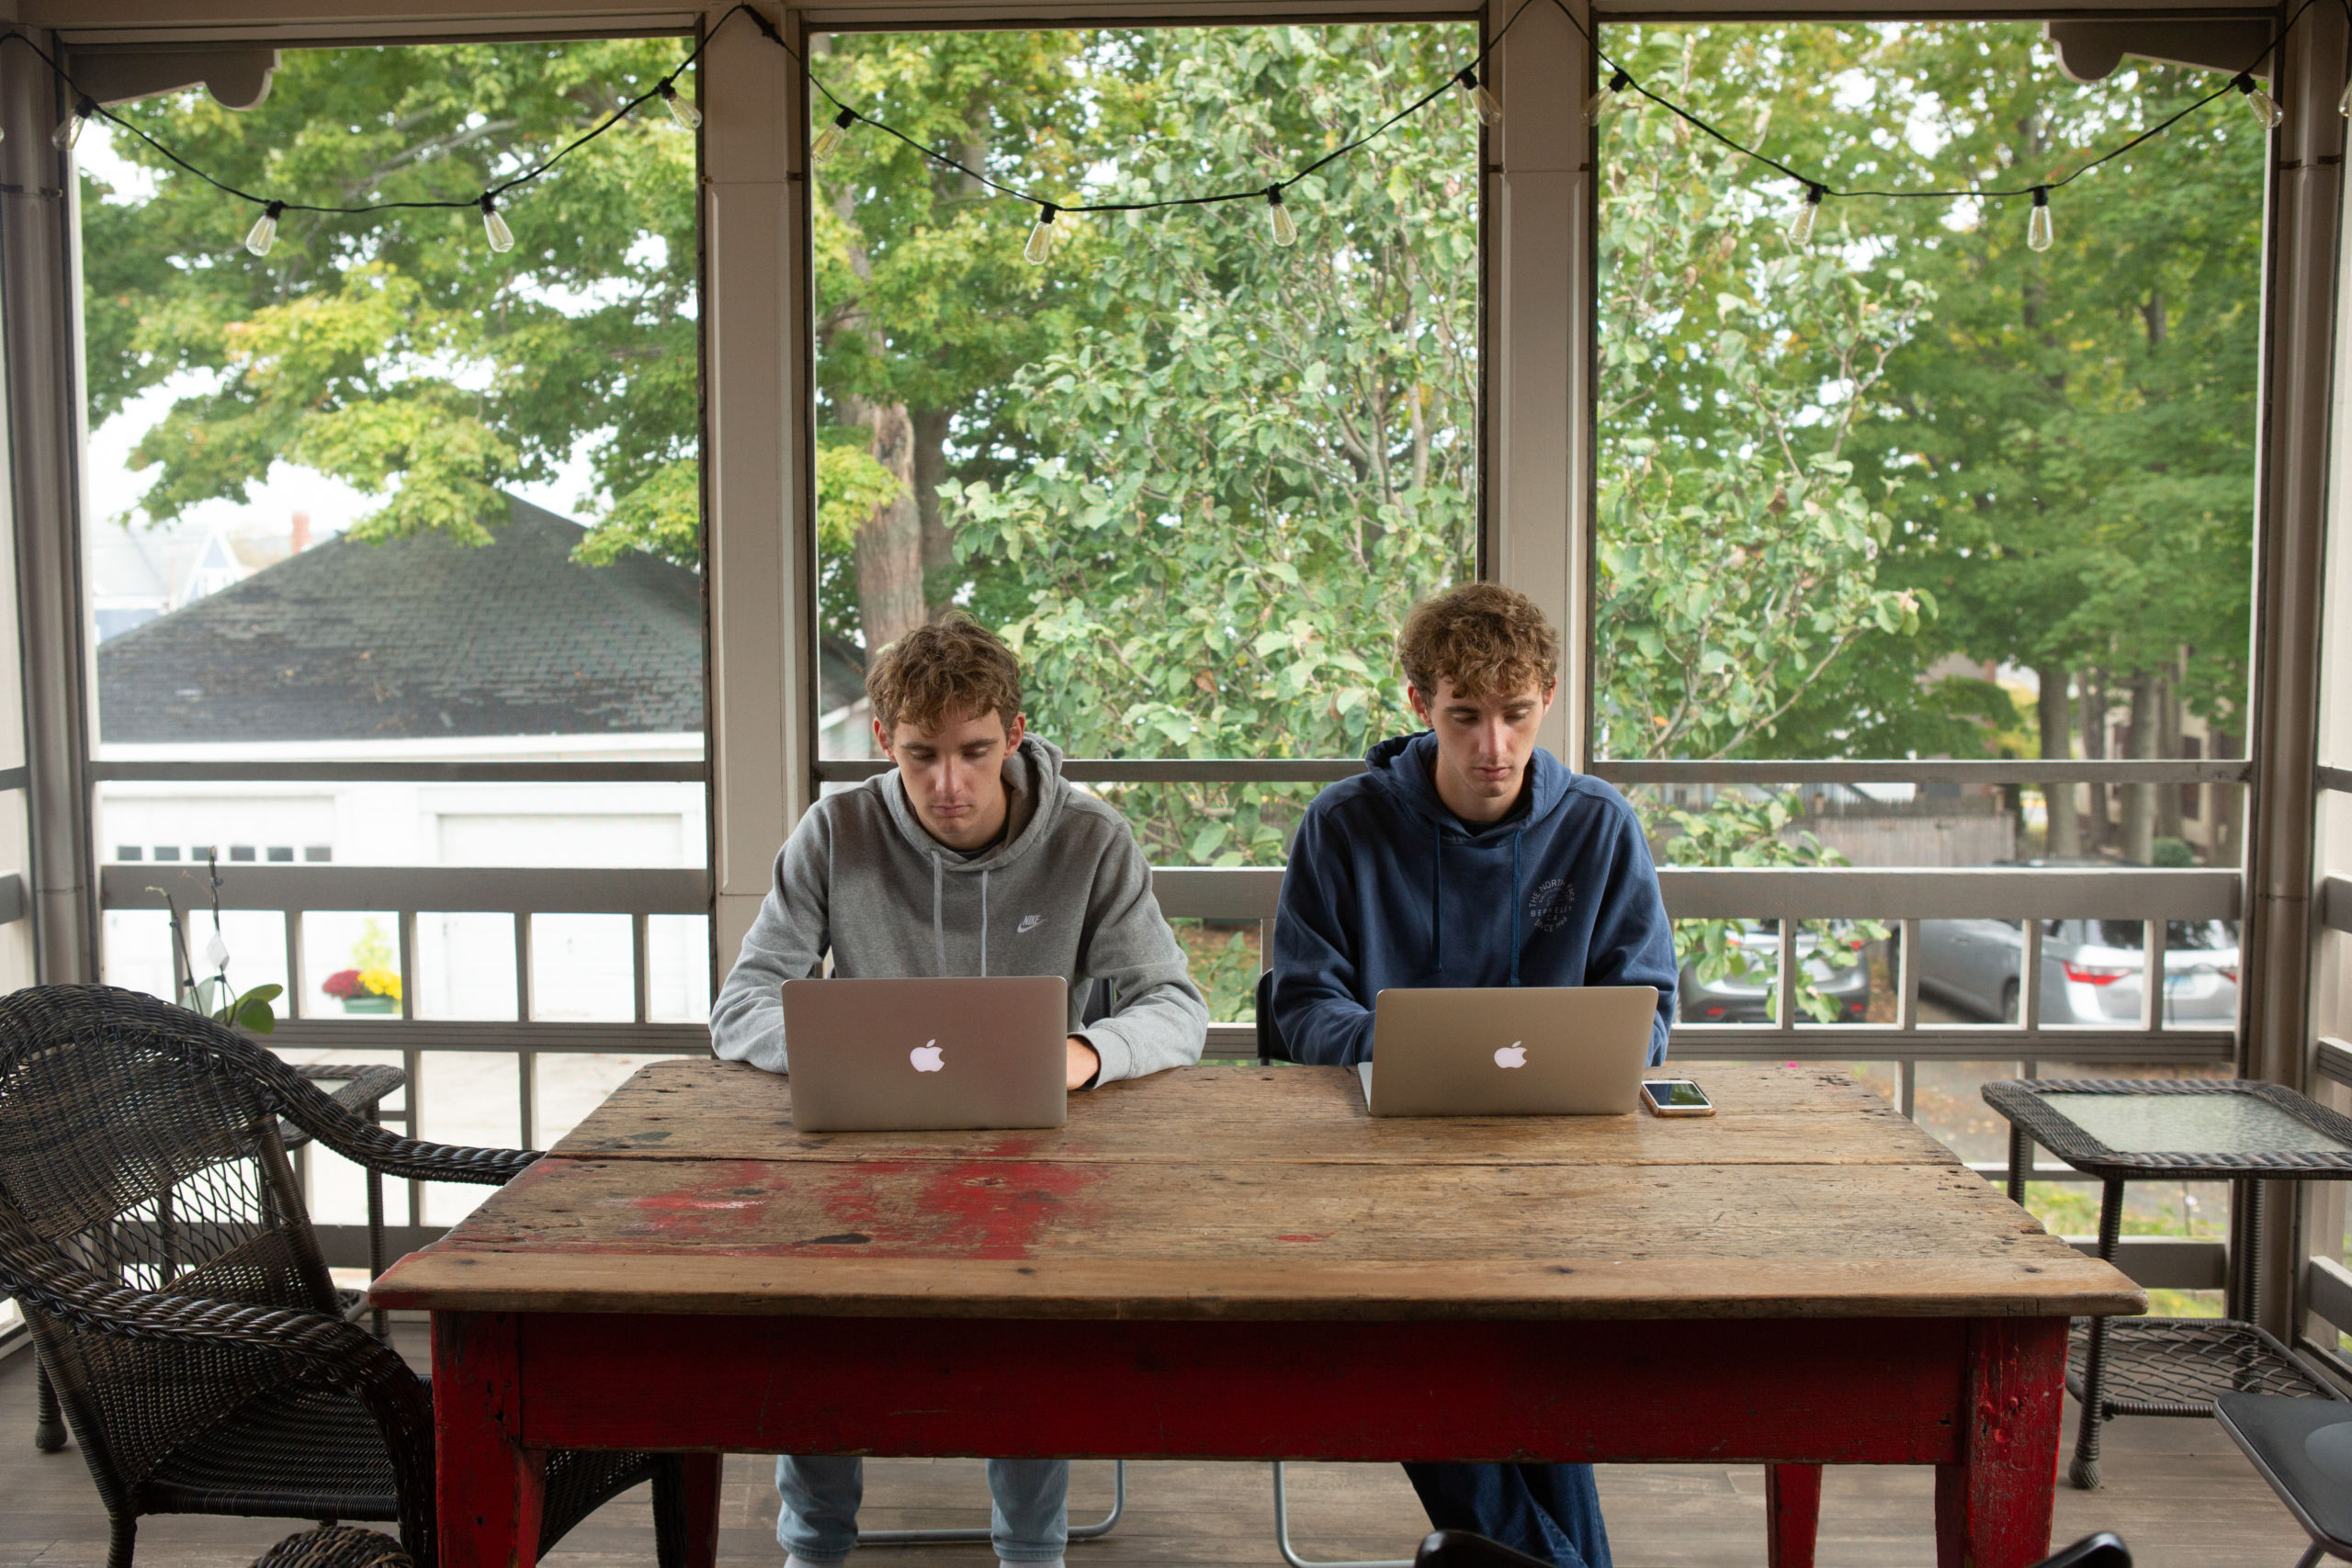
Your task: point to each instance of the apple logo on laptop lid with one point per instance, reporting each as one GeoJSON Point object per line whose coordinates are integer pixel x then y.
{"type": "Point", "coordinates": [1511, 1055]}
{"type": "Point", "coordinates": [926, 1057]}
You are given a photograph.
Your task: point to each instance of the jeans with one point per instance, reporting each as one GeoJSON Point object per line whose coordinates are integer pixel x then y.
{"type": "Point", "coordinates": [1548, 1511]}
{"type": "Point", "coordinates": [1028, 1519]}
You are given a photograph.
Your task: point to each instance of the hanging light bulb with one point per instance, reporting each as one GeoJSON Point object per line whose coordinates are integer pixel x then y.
{"type": "Point", "coordinates": [688, 117]}
{"type": "Point", "coordinates": [264, 232]}
{"type": "Point", "coordinates": [69, 130]}
{"type": "Point", "coordinates": [2037, 236]}
{"type": "Point", "coordinates": [829, 141]}
{"type": "Point", "coordinates": [501, 238]}
{"type": "Point", "coordinates": [1285, 232]}
{"type": "Point", "coordinates": [2265, 108]}
{"type": "Point", "coordinates": [1800, 226]}
{"type": "Point", "coordinates": [1482, 101]}
{"type": "Point", "coordinates": [1040, 248]}
{"type": "Point", "coordinates": [1605, 95]}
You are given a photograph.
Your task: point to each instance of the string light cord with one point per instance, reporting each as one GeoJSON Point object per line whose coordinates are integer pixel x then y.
{"type": "Point", "coordinates": [1824, 188]}
{"type": "Point", "coordinates": [1467, 77]}
{"type": "Point", "coordinates": [1255, 193]}
{"type": "Point", "coordinates": [89, 108]}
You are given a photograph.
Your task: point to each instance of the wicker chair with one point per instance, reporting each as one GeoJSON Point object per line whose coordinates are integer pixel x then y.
{"type": "Point", "coordinates": [152, 1233]}
{"type": "Point", "coordinates": [335, 1545]}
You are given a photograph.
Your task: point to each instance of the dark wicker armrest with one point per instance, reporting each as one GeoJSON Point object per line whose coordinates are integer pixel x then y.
{"type": "Point", "coordinates": [363, 1088]}
{"type": "Point", "coordinates": [352, 1135]}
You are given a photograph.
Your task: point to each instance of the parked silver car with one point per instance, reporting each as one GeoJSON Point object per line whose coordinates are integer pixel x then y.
{"type": "Point", "coordinates": [1844, 980]}
{"type": "Point", "coordinates": [2090, 969]}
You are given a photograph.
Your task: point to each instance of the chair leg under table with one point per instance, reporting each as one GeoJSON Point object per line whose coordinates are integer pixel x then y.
{"type": "Point", "coordinates": [1290, 1552]}
{"type": "Point", "coordinates": [1792, 1514]}
{"type": "Point", "coordinates": [2084, 1472]}
{"type": "Point", "coordinates": [49, 1421]}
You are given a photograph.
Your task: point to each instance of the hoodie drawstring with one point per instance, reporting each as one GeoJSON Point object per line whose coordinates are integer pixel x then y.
{"type": "Point", "coordinates": [1515, 838]}
{"type": "Point", "coordinates": [938, 931]}
{"type": "Point", "coordinates": [1437, 895]}
{"type": "Point", "coordinates": [938, 927]}
{"type": "Point", "coordinates": [1437, 900]}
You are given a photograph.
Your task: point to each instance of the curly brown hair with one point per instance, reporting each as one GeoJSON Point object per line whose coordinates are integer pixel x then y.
{"type": "Point", "coordinates": [949, 669]}
{"type": "Point", "coordinates": [1488, 639]}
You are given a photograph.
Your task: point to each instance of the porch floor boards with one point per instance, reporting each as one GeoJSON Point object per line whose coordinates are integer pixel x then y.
{"type": "Point", "coordinates": [2176, 1491]}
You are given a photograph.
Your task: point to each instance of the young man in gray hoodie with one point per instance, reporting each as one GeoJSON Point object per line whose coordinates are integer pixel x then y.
{"type": "Point", "coordinates": [971, 857]}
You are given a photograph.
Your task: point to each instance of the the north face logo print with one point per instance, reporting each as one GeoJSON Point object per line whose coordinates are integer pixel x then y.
{"type": "Point", "coordinates": [1028, 923]}
{"type": "Point", "coordinates": [1548, 906]}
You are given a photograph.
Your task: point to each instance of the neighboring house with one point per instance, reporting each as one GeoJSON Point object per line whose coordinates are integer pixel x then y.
{"type": "Point", "coordinates": [422, 649]}
{"type": "Point", "coordinates": [139, 574]}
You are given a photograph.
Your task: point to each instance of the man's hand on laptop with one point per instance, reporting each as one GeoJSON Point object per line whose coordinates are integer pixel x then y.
{"type": "Point", "coordinates": [1084, 1063]}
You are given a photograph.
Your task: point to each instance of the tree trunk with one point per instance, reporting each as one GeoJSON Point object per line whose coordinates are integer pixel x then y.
{"type": "Point", "coordinates": [2095, 833]}
{"type": "Point", "coordinates": [889, 542]}
{"type": "Point", "coordinates": [2054, 714]}
{"type": "Point", "coordinates": [938, 538]}
{"type": "Point", "coordinates": [2139, 799]}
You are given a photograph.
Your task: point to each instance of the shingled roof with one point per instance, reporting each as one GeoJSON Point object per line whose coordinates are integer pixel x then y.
{"type": "Point", "coordinates": [421, 639]}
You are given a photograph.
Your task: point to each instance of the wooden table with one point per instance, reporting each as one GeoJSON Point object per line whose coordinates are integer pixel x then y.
{"type": "Point", "coordinates": [1235, 1262]}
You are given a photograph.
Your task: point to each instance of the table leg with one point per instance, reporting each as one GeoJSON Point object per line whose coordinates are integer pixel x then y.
{"type": "Point", "coordinates": [2092, 1419]}
{"type": "Point", "coordinates": [1792, 1514]}
{"type": "Point", "coordinates": [487, 1487]}
{"type": "Point", "coordinates": [1993, 1507]}
{"type": "Point", "coordinates": [703, 1472]}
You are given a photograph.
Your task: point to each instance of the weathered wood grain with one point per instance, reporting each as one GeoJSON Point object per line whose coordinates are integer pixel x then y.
{"type": "Point", "coordinates": [1768, 1114]}
{"type": "Point", "coordinates": [447, 1279]}
{"type": "Point", "coordinates": [1246, 1193]}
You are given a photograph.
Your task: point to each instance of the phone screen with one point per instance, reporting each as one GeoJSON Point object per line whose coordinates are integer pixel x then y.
{"type": "Point", "coordinates": [1673, 1093]}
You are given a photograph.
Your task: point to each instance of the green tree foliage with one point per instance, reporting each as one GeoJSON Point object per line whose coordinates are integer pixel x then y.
{"type": "Point", "coordinates": [395, 351]}
{"type": "Point", "coordinates": [1201, 509]}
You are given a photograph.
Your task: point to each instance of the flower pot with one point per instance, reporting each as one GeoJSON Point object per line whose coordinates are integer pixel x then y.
{"type": "Point", "coordinates": [371, 1004]}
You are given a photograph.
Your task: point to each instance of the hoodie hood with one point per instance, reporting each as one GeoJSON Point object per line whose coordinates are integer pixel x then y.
{"type": "Point", "coordinates": [1404, 768]}
{"type": "Point", "coordinates": [1033, 776]}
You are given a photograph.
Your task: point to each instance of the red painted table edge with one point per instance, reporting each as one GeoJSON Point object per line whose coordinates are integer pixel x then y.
{"type": "Point", "coordinates": [1994, 1498]}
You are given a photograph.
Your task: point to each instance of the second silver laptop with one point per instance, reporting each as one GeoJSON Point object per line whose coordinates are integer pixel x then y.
{"type": "Point", "coordinates": [1521, 1051]}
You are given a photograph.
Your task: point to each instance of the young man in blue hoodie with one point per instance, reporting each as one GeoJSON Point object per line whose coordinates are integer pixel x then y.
{"type": "Point", "coordinates": [971, 856]}
{"type": "Point", "coordinates": [1467, 856]}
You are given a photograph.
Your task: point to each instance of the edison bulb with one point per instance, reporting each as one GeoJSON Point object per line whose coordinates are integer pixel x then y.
{"type": "Point", "coordinates": [829, 141]}
{"type": "Point", "coordinates": [1279, 221]}
{"type": "Point", "coordinates": [264, 232]}
{"type": "Point", "coordinates": [501, 238]}
{"type": "Point", "coordinates": [1040, 248]}
{"type": "Point", "coordinates": [1483, 102]}
{"type": "Point", "coordinates": [2038, 236]}
{"type": "Point", "coordinates": [1800, 226]}
{"type": "Point", "coordinates": [1604, 95]}
{"type": "Point", "coordinates": [688, 117]}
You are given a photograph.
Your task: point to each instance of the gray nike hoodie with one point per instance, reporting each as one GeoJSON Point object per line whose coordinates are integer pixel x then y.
{"type": "Point", "coordinates": [1066, 892]}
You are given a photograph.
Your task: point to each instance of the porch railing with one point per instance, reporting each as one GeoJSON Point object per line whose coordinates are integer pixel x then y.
{"type": "Point", "coordinates": [1904, 899]}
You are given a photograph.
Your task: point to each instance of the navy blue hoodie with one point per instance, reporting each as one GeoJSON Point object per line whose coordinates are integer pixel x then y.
{"type": "Point", "coordinates": [1387, 887]}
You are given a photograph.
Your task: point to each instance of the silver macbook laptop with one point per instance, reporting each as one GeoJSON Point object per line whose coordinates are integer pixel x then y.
{"type": "Point", "coordinates": [1521, 1051]}
{"type": "Point", "coordinates": [907, 1055]}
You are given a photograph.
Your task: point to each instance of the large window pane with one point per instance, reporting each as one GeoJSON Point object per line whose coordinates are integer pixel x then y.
{"type": "Point", "coordinates": [384, 494]}
{"type": "Point", "coordinates": [1917, 489]}
{"type": "Point", "coordinates": [1194, 478]}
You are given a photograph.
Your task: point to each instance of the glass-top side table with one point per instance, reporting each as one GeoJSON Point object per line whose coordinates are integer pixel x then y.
{"type": "Point", "coordinates": [2123, 1130]}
